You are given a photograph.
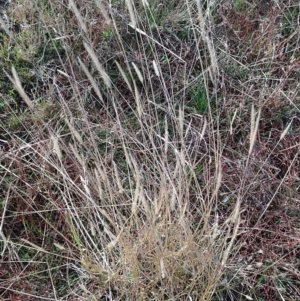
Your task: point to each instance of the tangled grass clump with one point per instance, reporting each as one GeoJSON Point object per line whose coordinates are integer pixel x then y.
{"type": "Point", "coordinates": [149, 151]}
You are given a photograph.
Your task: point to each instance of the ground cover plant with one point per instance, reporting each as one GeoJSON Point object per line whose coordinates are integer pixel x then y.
{"type": "Point", "coordinates": [149, 150]}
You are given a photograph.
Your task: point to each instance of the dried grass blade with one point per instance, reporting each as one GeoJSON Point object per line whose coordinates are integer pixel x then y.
{"type": "Point", "coordinates": [138, 72]}
{"type": "Point", "coordinates": [56, 147]}
{"type": "Point", "coordinates": [17, 83]}
{"type": "Point", "coordinates": [285, 131]}
{"type": "Point", "coordinates": [131, 13]}
{"type": "Point", "coordinates": [4, 27]}
{"type": "Point", "coordinates": [104, 13]}
{"type": "Point", "coordinates": [74, 132]}
{"type": "Point", "coordinates": [156, 68]}
{"type": "Point", "coordinates": [98, 65]}
{"type": "Point", "coordinates": [124, 76]}
{"type": "Point", "coordinates": [138, 101]}
{"type": "Point", "coordinates": [73, 7]}
{"type": "Point", "coordinates": [254, 128]}
{"type": "Point", "coordinates": [166, 136]}
{"type": "Point", "coordinates": [91, 80]}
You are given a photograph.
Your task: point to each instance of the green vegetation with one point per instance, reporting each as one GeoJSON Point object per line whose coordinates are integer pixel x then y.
{"type": "Point", "coordinates": [199, 98]}
{"type": "Point", "coordinates": [149, 150]}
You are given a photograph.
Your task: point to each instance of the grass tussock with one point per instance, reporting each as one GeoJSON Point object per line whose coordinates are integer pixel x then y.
{"type": "Point", "coordinates": [149, 150]}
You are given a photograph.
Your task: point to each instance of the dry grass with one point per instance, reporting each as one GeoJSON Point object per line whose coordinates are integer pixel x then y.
{"type": "Point", "coordinates": [150, 151]}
